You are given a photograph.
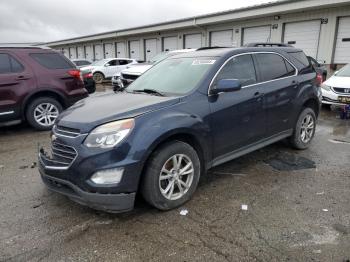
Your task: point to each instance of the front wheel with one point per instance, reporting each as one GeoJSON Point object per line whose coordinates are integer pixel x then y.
{"type": "Point", "coordinates": [304, 130]}
{"type": "Point", "coordinates": [171, 176]}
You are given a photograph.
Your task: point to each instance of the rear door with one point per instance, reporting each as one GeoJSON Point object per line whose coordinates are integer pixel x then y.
{"type": "Point", "coordinates": [237, 118]}
{"type": "Point", "coordinates": [16, 80]}
{"type": "Point", "coordinates": [279, 87]}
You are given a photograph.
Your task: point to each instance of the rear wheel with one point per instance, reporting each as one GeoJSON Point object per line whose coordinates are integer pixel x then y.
{"type": "Point", "coordinates": [98, 78]}
{"type": "Point", "coordinates": [42, 112]}
{"type": "Point", "coordinates": [171, 176]}
{"type": "Point", "coordinates": [304, 129]}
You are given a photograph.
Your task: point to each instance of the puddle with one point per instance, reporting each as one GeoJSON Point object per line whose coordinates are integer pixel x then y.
{"type": "Point", "coordinates": [290, 162]}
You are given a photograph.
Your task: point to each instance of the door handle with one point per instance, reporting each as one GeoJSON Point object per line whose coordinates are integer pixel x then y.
{"type": "Point", "coordinates": [22, 78]}
{"type": "Point", "coordinates": [258, 94]}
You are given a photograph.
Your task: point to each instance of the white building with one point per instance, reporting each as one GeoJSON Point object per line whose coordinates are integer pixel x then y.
{"type": "Point", "coordinates": [320, 27]}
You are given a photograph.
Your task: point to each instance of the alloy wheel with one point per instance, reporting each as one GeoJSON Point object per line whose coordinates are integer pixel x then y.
{"type": "Point", "coordinates": [176, 177]}
{"type": "Point", "coordinates": [307, 128]}
{"type": "Point", "coordinates": [45, 114]}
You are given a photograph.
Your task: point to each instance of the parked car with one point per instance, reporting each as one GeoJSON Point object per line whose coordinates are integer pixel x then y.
{"type": "Point", "coordinates": [36, 84]}
{"type": "Point", "coordinates": [81, 62]}
{"type": "Point", "coordinates": [122, 79]}
{"type": "Point", "coordinates": [106, 68]}
{"type": "Point", "coordinates": [336, 90]}
{"type": "Point", "coordinates": [186, 114]}
{"type": "Point", "coordinates": [319, 67]}
{"type": "Point", "coordinates": [89, 81]}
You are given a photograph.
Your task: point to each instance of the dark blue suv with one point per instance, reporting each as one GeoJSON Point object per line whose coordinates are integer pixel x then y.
{"type": "Point", "coordinates": [185, 115]}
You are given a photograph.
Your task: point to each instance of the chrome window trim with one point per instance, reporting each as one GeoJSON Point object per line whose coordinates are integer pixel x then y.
{"type": "Point", "coordinates": [6, 113]}
{"type": "Point", "coordinates": [252, 53]}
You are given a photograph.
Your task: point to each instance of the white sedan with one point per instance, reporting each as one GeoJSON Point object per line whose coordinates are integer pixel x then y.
{"type": "Point", "coordinates": [336, 90]}
{"type": "Point", "coordinates": [106, 68]}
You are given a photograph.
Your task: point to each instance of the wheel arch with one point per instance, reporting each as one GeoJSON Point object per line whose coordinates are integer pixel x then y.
{"type": "Point", "coordinates": [43, 93]}
{"type": "Point", "coordinates": [313, 104]}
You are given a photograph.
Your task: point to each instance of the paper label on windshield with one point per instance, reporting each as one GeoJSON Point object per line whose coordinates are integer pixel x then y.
{"type": "Point", "coordinates": [203, 62]}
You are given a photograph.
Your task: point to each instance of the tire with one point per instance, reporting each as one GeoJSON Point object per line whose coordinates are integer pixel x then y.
{"type": "Point", "coordinates": [43, 104]}
{"type": "Point", "coordinates": [304, 130]}
{"type": "Point", "coordinates": [162, 159]}
{"type": "Point", "coordinates": [98, 78]}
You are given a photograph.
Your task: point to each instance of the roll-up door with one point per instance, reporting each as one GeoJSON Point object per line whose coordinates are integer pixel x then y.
{"type": "Point", "coordinates": [304, 35]}
{"type": "Point", "coordinates": [150, 48]}
{"type": "Point", "coordinates": [80, 50]}
{"type": "Point", "coordinates": [221, 38]}
{"type": "Point", "coordinates": [89, 54]}
{"type": "Point", "coordinates": [342, 46]}
{"type": "Point", "coordinates": [121, 50]}
{"type": "Point", "coordinates": [98, 53]}
{"type": "Point", "coordinates": [72, 53]}
{"type": "Point", "coordinates": [256, 34]}
{"type": "Point", "coordinates": [170, 43]}
{"type": "Point", "coordinates": [134, 49]}
{"type": "Point", "coordinates": [109, 50]}
{"type": "Point", "coordinates": [193, 41]}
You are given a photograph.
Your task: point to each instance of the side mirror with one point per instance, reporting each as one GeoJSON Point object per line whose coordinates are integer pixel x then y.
{"type": "Point", "coordinates": [336, 72]}
{"type": "Point", "coordinates": [227, 85]}
{"type": "Point", "coordinates": [107, 65]}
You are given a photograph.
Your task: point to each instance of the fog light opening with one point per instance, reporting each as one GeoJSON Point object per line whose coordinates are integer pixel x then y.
{"type": "Point", "coordinates": [108, 176]}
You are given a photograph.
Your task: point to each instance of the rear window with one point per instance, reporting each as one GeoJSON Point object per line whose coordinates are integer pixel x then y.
{"type": "Point", "coordinates": [82, 63]}
{"type": "Point", "coordinates": [51, 60]}
{"type": "Point", "coordinates": [307, 67]}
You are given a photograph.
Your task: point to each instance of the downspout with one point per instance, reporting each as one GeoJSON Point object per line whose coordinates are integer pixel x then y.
{"type": "Point", "coordinates": [200, 28]}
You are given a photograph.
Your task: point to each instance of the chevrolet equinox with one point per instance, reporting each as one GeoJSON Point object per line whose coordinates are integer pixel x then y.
{"type": "Point", "coordinates": [187, 114]}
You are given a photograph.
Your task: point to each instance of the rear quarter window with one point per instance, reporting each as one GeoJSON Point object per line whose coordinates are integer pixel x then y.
{"type": "Point", "coordinates": [302, 59]}
{"type": "Point", "coordinates": [51, 60]}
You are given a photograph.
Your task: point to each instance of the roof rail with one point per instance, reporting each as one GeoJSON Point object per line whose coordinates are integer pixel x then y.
{"type": "Point", "coordinates": [211, 47]}
{"type": "Point", "coordinates": [262, 44]}
{"type": "Point", "coordinates": [24, 46]}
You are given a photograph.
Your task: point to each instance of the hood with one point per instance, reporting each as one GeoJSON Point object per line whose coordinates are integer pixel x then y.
{"type": "Point", "coordinates": [96, 110]}
{"type": "Point", "coordinates": [338, 81]}
{"type": "Point", "coordinates": [137, 69]}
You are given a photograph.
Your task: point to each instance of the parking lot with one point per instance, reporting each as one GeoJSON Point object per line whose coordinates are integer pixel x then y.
{"type": "Point", "coordinates": [297, 209]}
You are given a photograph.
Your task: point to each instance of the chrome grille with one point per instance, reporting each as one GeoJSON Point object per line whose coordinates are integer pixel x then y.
{"type": "Point", "coordinates": [62, 154]}
{"type": "Point", "coordinates": [345, 91]}
{"type": "Point", "coordinates": [66, 131]}
{"type": "Point", "coordinates": [129, 77]}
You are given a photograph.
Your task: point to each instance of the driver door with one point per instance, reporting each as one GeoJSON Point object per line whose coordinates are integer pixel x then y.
{"type": "Point", "coordinates": [111, 68]}
{"type": "Point", "coordinates": [238, 118]}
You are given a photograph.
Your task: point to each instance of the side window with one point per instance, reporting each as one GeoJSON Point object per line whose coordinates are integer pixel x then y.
{"type": "Point", "coordinates": [114, 62]}
{"type": "Point", "coordinates": [8, 64]}
{"type": "Point", "coordinates": [5, 64]}
{"type": "Point", "coordinates": [273, 66]}
{"type": "Point", "coordinates": [52, 60]}
{"type": "Point", "coordinates": [123, 62]}
{"type": "Point", "coordinates": [241, 68]}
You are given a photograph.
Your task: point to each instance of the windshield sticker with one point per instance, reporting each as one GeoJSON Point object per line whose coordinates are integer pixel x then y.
{"type": "Point", "coordinates": [203, 62]}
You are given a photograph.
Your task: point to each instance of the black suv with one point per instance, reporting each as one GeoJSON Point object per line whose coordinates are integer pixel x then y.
{"type": "Point", "coordinates": [183, 116]}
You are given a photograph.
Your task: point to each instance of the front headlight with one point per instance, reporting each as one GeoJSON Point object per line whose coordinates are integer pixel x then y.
{"type": "Point", "coordinates": [325, 87]}
{"type": "Point", "coordinates": [109, 135]}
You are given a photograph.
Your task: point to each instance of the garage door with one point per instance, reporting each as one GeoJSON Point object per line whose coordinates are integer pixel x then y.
{"type": "Point", "coordinates": [169, 43]}
{"type": "Point", "coordinates": [342, 46]}
{"type": "Point", "coordinates": [89, 54]}
{"type": "Point", "coordinates": [151, 48]}
{"type": "Point", "coordinates": [303, 35]}
{"type": "Point", "coordinates": [256, 34]}
{"type": "Point", "coordinates": [121, 50]}
{"type": "Point", "coordinates": [98, 53]}
{"type": "Point", "coordinates": [221, 38]}
{"type": "Point", "coordinates": [193, 41]}
{"type": "Point", "coordinates": [80, 50]}
{"type": "Point", "coordinates": [134, 49]}
{"type": "Point", "coordinates": [65, 51]}
{"type": "Point", "coordinates": [72, 53]}
{"type": "Point", "coordinates": [109, 50]}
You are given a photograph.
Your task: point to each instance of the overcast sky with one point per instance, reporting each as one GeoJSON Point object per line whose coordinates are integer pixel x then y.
{"type": "Point", "coordinates": [48, 20]}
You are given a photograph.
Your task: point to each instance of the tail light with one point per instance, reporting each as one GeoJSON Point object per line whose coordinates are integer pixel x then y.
{"type": "Point", "coordinates": [88, 75]}
{"type": "Point", "coordinates": [76, 74]}
{"type": "Point", "coordinates": [319, 79]}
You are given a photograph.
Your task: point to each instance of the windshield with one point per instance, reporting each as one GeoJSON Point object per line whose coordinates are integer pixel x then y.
{"type": "Point", "coordinates": [345, 71]}
{"type": "Point", "coordinates": [176, 76]}
{"type": "Point", "coordinates": [100, 62]}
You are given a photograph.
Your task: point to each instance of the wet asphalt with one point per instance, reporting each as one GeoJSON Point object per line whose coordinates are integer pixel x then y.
{"type": "Point", "coordinates": [298, 209]}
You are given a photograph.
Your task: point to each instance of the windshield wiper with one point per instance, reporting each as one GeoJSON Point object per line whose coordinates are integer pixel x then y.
{"type": "Point", "coordinates": [149, 91]}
